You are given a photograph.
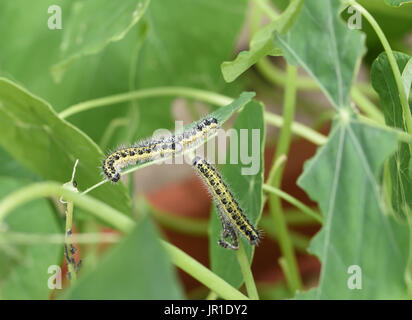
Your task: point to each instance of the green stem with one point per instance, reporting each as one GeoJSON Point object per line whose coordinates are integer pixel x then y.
{"type": "Point", "coordinates": [263, 6]}
{"type": "Point", "coordinates": [121, 222]}
{"type": "Point", "coordinates": [408, 270]}
{"type": "Point", "coordinates": [296, 218]}
{"type": "Point", "coordinates": [69, 229]}
{"type": "Point", "coordinates": [277, 77]}
{"type": "Point", "coordinates": [202, 95]}
{"type": "Point", "coordinates": [271, 118]}
{"type": "Point", "coordinates": [366, 106]}
{"type": "Point", "coordinates": [298, 204]}
{"type": "Point", "coordinates": [36, 238]}
{"type": "Point", "coordinates": [287, 272]}
{"type": "Point", "coordinates": [194, 227]}
{"type": "Point", "coordinates": [299, 241]}
{"type": "Point", "coordinates": [297, 128]}
{"type": "Point", "coordinates": [392, 61]}
{"type": "Point", "coordinates": [247, 273]}
{"type": "Point", "coordinates": [274, 180]}
{"type": "Point", "coordinates": [401, 135]}
{"type": "Point", "coordinates": [202, 274]}
{"type": "Point", "coordinates": [111, 129]}
{"type": "Point", "coordinates": [46, 189]}
{"type": "Point", "coordinates": [277, 165]}
{"type": "Point", "coordinates": [211, 296]}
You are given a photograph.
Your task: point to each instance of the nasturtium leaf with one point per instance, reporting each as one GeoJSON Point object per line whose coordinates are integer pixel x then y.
{"type": "Point", "coordinates": [321, 43]}
{"type": "Point", "coordinates": [384, 83]}
{"type": "Point", "coordinates": [24, 268]}
{"type": "Point", "coordinates": [166, 59]}
{"type": "Point", "coordinates": [397, 3]}
{"type": "Point", "coordinates": [49, 146]}
{"type": "Point", "coordinates": [11, 168]}
{"type": "Point", "coordinates": [261, 44]}
{"type": "Point", "coordinates": [87, 78]}
{"type": "Point", "coordinates": [93, 24]}
{"type": "Point", "coordinates": [246, 188]}
{"type": "Point", "coordinates": [185, 45]}
{"type": "Point", "coordinates": [136, 268]}
{"type": "Point", "coordinates": [359, 244]}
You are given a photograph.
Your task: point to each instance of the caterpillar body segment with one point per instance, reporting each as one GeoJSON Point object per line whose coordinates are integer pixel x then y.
{"type": "Point", "coordinates": [234, 220]}
{"type": "Point", "coordinates": [156, 148]}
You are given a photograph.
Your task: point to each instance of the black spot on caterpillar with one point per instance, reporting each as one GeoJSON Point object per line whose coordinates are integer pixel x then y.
{"type": "Point", "coordinates": [234, 220]}
{"type": "Point", "coordinates": [155, 148]}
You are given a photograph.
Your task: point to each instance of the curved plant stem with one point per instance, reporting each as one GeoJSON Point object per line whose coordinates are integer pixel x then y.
{"type": "Point", "coordinates": [264, 7]}
{"type": "Point", "coordinates": [296, 218]}
{"type": "Point", "coordinates": [111, 129]}
{"type": "Point", "coordinates": [202, 95]}
{"type": "Point", "coordinates": [277, 77]}
{"type": "Point", "coordinates": [392, 61]}
{"type": "Point", "coordinates": [120, 222]}
{"type": "Point", "coordinates": [46, 189]}
{"type": "Point", "coordinates": [211, 296]}
{"type": "Point", "coordinates": [298, 204]}
{"type": "Point", "coordinates": [271, 118]}
{"type": "Point", "coordinates": [190, 226]}
{"type": "Point", "coordinates": [300, 241]}
{"type": "Point", "coordinates": [71, 263]}
{"type": "Point", "coordinates": [247, 273]}
{"type": "Point", "coordinates": [401, 135]}
{"type": "Point", "coordinates": [275, 180]}
{"type": "Point", "coordinates": [130, 170]}
{"type": "Point", "coordinates": [367, 106]}
{"type": "Point", "coordinates": [408, 270]}
{"type": "Point", "coordinates": [202, 274]}
{"type": "Point", "coordinates": [36, 238]}
{"type": "Point", "coordinates": [287, 272]}
{"type": "Point", "coordinates": [297, 128]}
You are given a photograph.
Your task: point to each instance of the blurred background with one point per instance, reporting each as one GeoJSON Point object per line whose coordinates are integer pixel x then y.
{"type": "Point", "coordinates": [174, 43]}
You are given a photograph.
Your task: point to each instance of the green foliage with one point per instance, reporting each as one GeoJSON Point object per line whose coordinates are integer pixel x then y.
{"type": "Point", "coordinates": [397, 3]}
{"type": "Point", "coordinates": [157, 51]}
{"type": "Point", "coordinates": [333, 58]}
{"type": "Point", "coordinates": [261, 44]}
{"type": "Point", "coordinates": [23, 268]}
{"type": "Point", "coordinates": [122, 275]}
{"type": "Point", "coordinates": [84, 36]}
{"type": "Point", "coordinates": [384, 83]}
{"type": "Point", "coordinates": [343, 179]}
{"type": "Point", "coordinates": [248, 191]}
{"type": "Point", "coordinates": [222, 115]}
{"type": "Point", "coordinates": [360, 176]}
{"type": "Point", "coordinates": [184, 48]}
{"type": "Point", "coordinates": [35, 136]}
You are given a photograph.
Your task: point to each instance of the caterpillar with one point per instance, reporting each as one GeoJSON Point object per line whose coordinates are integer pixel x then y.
{"type": "Point", "coordinates": [234, 220]}
{"type": "Point", "coordinates": [155, 148]}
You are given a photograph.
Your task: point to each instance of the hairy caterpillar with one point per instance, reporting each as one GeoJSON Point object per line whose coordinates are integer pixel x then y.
{"type": "Point", "coordinates": [234, 221]}
{"type": "Point", "coordinates": [155, 148]}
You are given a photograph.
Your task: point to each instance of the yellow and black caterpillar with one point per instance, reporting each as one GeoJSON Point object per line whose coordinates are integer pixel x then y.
{"type": "Point", "coordinates": [155, 148]}
{"type": "Point", "coordinates": [234, 221]}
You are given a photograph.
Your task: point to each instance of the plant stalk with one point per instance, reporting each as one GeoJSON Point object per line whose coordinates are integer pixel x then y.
{"type": "Point", "coordinates": [275, 179]}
